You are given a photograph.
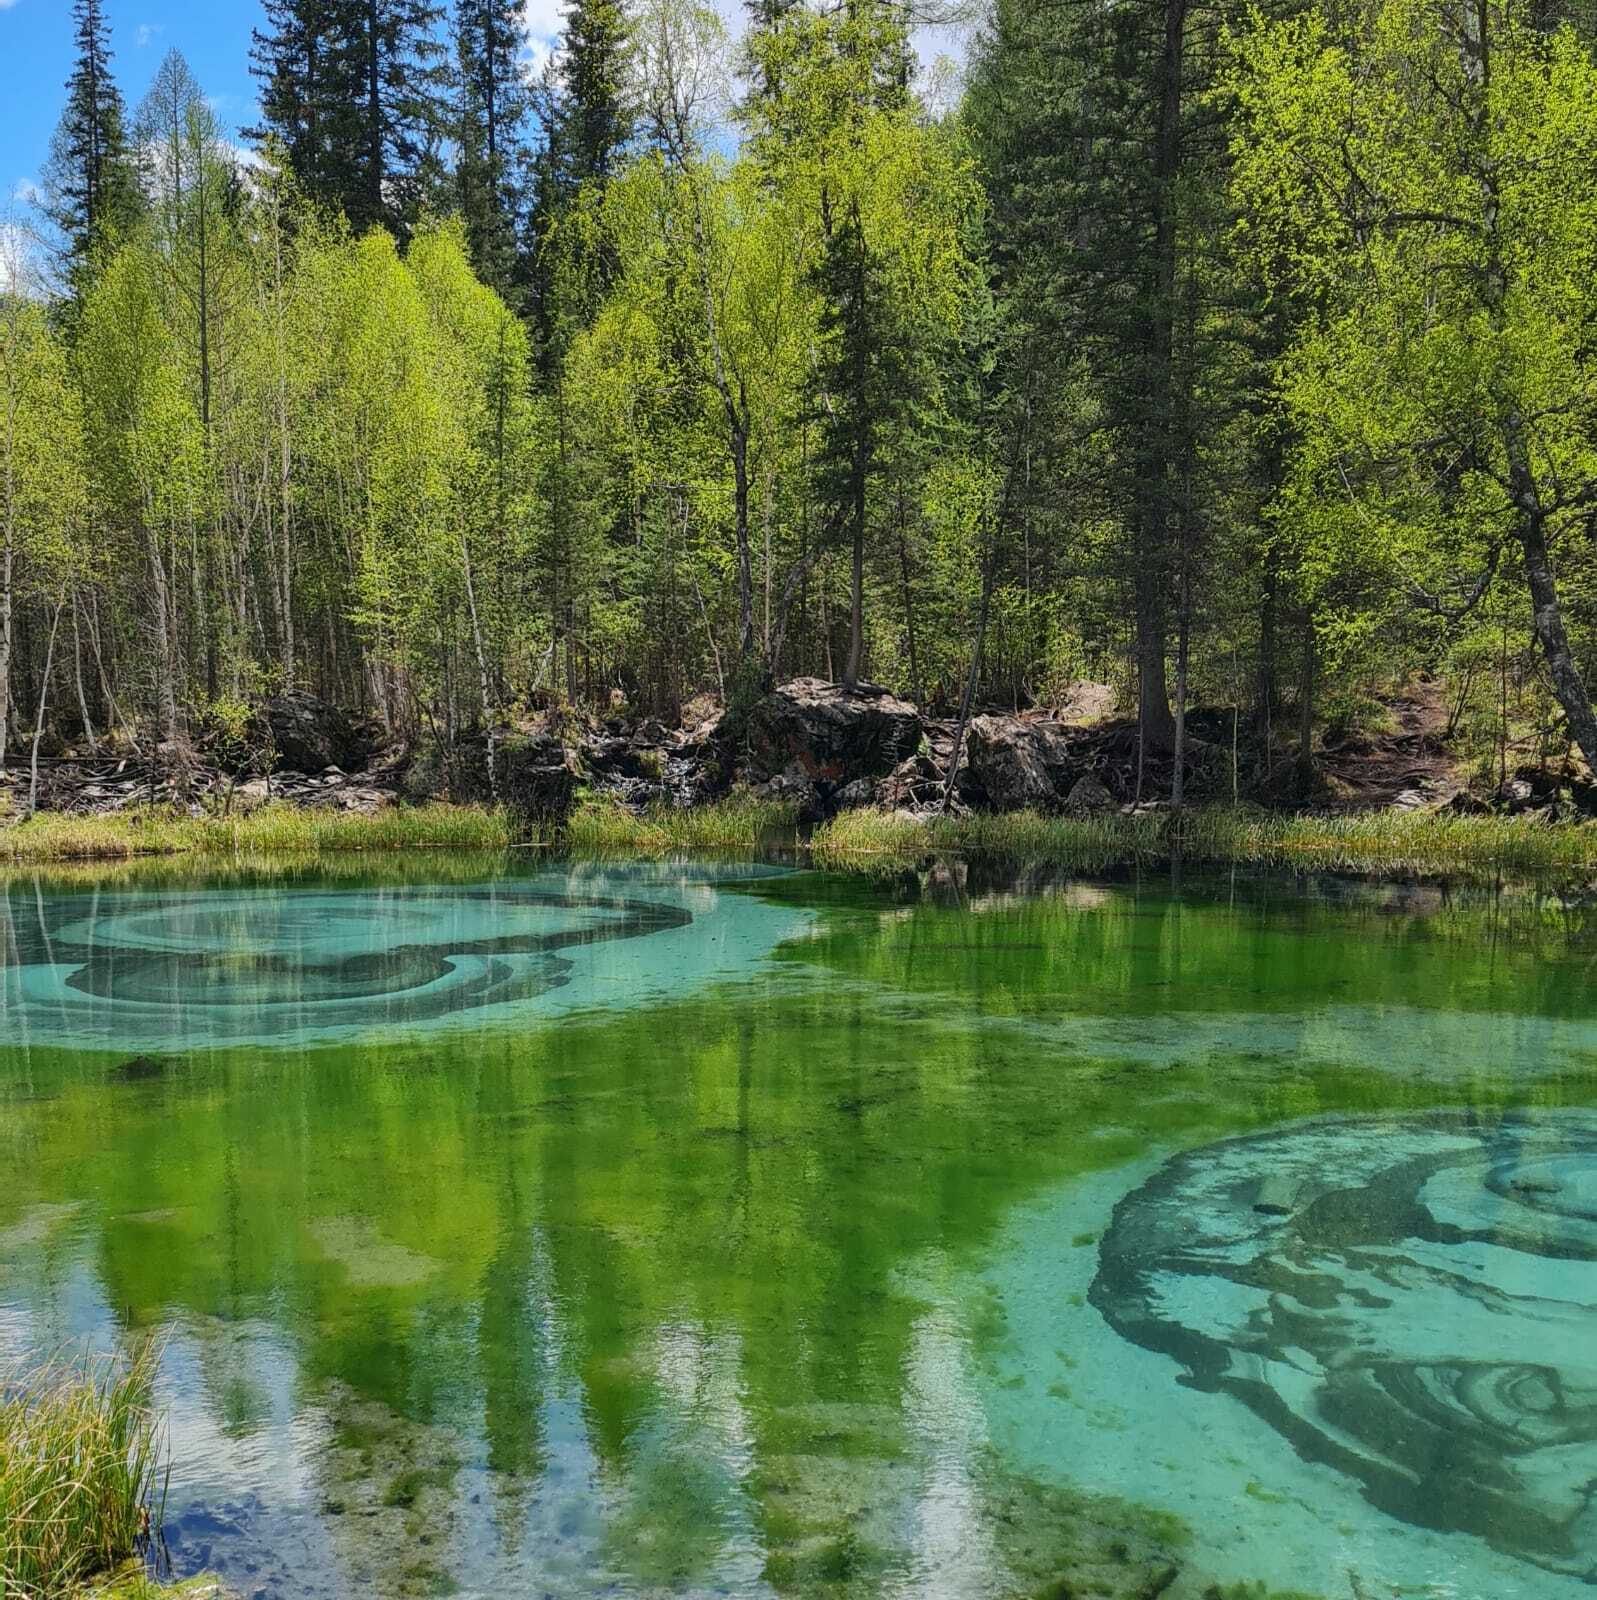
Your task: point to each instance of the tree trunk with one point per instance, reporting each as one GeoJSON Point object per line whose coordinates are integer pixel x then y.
{"type": "Point", "coordinates": [44, 704]}
{"type": "Point", "coordinates": [1548, 623]}
{"type": "Point", "coordinates": [1306, 709]}
{"type": "Point", "coordinates": [77, 678]}
{"type": "Point", "coordinates": [972, 679]}
{"type": "Point", "coordinates": [915, 689]}
{"type": "Point", "coordinates": [1161, 434]}
{"type": "Point", "coordinates": [8, 561]}
{"type": "Point", "coordinates": [1178, 774]}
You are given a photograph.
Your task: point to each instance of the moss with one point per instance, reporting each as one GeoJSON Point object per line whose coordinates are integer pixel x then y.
{"type": "Point", "coordinates": [135, 1584]}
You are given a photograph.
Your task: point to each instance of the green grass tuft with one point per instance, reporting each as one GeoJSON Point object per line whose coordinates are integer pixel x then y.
{"type": "Point", "coordinates": [601, 826]}
{"type": "Point", "coordinates": [1422, 842]}
{"type": "Point", "coordinates": [80, 1463]}
{"type": "Point", "coordinates": [274, 829]}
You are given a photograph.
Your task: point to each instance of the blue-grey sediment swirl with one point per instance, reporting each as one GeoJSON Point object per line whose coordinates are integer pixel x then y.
{"type": "Point", "coordinates": [1412, 1300]}
{"type": "Point", "coordinates": [210, 966]}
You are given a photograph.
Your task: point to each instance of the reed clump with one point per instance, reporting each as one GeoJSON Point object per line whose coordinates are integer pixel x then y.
{"type": "Point", "coordinates": [80, 1469]}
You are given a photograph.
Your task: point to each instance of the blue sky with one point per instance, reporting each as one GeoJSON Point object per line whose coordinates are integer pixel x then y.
{"type": "Point", "coordinates": [36, 56]}
{"type": "Point", "coordinates": [214, 36]}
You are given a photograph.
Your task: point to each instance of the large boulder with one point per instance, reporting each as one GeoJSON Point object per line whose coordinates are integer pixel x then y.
{"type": "Point", "coordinates": [535, 776]}
{"type": "Point", "coordinates": [1019, 764]}
{"type": "Point", "coordinates": [309, 735]}
{"type": "Point", "coordinates": [835, 735]}
{"type": "Point", "coordinates": [538, 777]}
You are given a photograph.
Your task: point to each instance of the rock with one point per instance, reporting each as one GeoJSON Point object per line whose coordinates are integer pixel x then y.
{"type": "Point", "coordinates": [835, 734]}
{"type": "Point", "coordinates": [309, 735]}
{"type": "Point", "coordinates": [791, 786]}
{"type": "Point", "coordinates": [538, 777]}
{"type": "Point", "coordinates": [1018, 764]}
{"type": "Point", "coordinates": [1089, 798]}
{"type": "Point", "coordinates": [1086, 702]}
{"type": "Point", "coordinates": [861, 792]}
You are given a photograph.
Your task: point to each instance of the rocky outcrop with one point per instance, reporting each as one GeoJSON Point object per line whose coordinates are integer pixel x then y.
{"type": "Point", "coordinates": [1019, 764]}
{"type": "Point", "coordinates": [834, 735]}
{"type": "Point", "coordinates": [309, 735]}
{"type": "Point", "coordinates": [535, 775]}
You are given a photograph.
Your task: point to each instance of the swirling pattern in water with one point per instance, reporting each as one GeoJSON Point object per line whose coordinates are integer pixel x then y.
{"type": "Point", "coordinates": [1412, 1301]}
{"type": "Point", "coordinates": [170, 970]}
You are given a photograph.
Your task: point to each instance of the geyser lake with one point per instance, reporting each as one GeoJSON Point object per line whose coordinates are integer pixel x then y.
{"type": "Point", "coordinates": [521, 1229]}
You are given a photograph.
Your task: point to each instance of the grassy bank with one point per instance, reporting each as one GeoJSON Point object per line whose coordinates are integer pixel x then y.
{"type": "Point", "coordinates": [738, 823]}
{"type": "Point", "coordinates": [1384, 841]}
{"type": "Point", "coordinates": [854, 841]}
{"type": "Point", "coordinates": [80, 1468]}
{"type": "Point", "coordinates": [272, 830]}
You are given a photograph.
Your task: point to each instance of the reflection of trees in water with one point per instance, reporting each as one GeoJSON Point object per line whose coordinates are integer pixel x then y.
{"type": "Point", "coordinates": [677, 1237]}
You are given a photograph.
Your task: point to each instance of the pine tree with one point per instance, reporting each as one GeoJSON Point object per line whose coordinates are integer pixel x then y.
{"type": "Point", "coordinates": [90, 185]}
{"type": "Point", "coordinates": [493, 111]}
{"type": "Point", "coordinates": [582, 105]}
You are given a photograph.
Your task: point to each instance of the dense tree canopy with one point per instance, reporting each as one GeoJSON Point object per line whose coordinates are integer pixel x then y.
{"type": "Point", "coordinates": [1234, 357]}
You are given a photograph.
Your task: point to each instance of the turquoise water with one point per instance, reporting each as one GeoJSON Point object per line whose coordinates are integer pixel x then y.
{"type": "Point", "coordinates": [741, 1230]}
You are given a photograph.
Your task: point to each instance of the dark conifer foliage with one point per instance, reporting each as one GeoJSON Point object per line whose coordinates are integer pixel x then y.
{"type": "Point", "coordinates": [91, 190]}
{"type": "Point", "coordinates": [353, 92]}
{"type": "Point", "coordinates": [492, 126]}
{"type": "Point", "coordinates": [596, 121]}
{"type": "Point", "coordinates": [298, 60]}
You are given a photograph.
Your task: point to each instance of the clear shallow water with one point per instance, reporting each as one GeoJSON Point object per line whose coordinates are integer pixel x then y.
{"type": "Point", "coordinates": [729, 1231]}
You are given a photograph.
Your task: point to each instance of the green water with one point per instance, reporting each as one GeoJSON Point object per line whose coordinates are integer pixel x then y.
{"type": "Point", "coordinates": [744, 1231]}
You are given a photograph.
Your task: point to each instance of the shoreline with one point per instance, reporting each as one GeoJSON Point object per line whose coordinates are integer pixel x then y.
{"type": "Point", "coordinates": [1410, 843]}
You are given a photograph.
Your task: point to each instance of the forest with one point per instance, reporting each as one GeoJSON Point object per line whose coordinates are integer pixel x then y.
{"type": "Point", "coordinates": [1237, 356]}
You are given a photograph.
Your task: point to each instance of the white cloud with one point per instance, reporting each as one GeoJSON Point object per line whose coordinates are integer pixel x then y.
{"type": "Point", "coordinates": [20, 259]}
{"type": "Point", "coordinates": [146, 33]}
{"type": "Point", "coordinates": [6, 5]}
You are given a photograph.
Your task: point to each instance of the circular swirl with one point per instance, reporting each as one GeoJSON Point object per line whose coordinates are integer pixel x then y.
{"type": "Point", "coordinates": [1412, 1301]}
{"type": "Point", "coordinates": [172, 970]}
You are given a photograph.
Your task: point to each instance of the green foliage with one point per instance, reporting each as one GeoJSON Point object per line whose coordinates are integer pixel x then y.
{"type": "Point", "coordinates": [80, 1471]}
{"type": "Point", "coordinates": [271, 830]}
{"type": "Point", "coordinates": [1200, 345]}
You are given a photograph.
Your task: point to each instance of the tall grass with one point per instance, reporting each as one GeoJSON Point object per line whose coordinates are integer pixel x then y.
{"type": "Point", "coordinates": [80, 1463]}
{"type": "Point", "coordinates": [601, 826]}
{"type": "Point", "coordinates": [1411, 840]}
{"type": "Point", "coordinates": [1425, 842]}
{"type": "Point", "coordinates": [274, 829]}
{"type": "Point", "coordinates": [857, 839]}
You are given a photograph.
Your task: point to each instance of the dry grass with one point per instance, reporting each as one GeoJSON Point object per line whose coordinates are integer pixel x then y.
{"type": "Point", "coordinates": [80, 1464]}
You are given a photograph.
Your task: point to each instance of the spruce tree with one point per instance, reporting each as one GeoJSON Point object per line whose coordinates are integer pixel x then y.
{"type": "Point", "coordinates": [492, 113]}
{"type": "Point", "coordinates": [596, 121]}
{"type": "Point", "coordinates": [352, 91]}
{"type": "Point", "coordinates": [582, 105]}
{"type": "Point", "coordinates": [306, 105]}
{"type": "Point", "coordinates": [91, 190]}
